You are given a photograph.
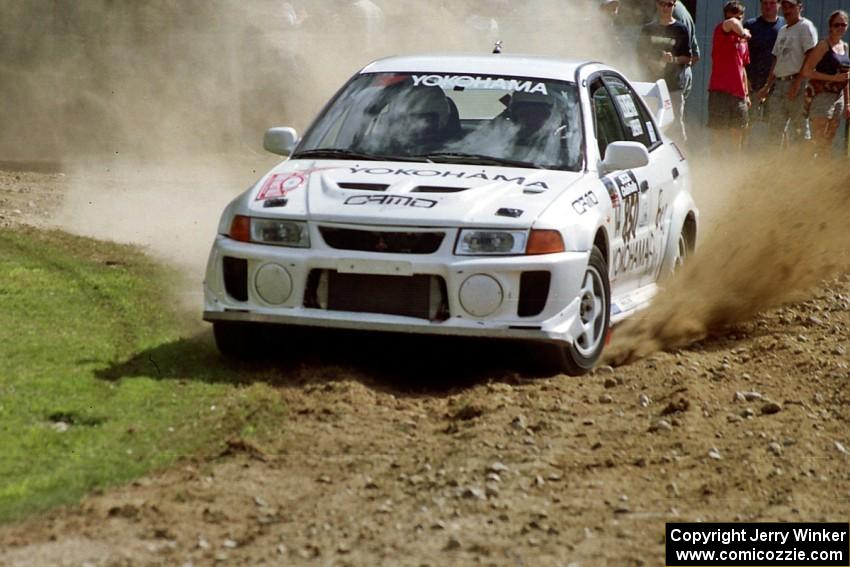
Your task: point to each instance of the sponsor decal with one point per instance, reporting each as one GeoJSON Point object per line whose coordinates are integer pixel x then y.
{"type": "Point", "coordinates": [613, 191]}
{"type": "Point", "coordinates": [652, 137]}
{"type": "Point", "coordinates": [624, 191]}
{"type": "Point", "coordinates": [278, 185]}
{"type": "Point", "coordinates": [630, 216]}
{"type": "Point", "coordinates": [661, 212]}
{"type": "Point", "coordinates": [627, 183]}
{"type": "Point", "coordinates": [585, 203]}
{"type": "Point", "coordinates": [636, 254]}
{"type": "Point", "coordinates": [450, 82]}
{"type": "Point", "coordinates": [636, 128]}
{"type": "Point", "coordinates": [519, 180]}
{"type": "Point", "coordinates": [627, 105]}
{"type": "Point", "coordinates": [391, 200]}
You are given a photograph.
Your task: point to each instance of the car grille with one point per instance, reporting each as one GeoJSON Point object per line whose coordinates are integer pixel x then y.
{"type": "Point", "coordinates": [380, 241]}
{"type": "Point", "coordinates": [420, 296]}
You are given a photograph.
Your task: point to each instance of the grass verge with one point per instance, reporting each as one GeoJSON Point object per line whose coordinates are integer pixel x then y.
{"type": "Point", "coordinates": [98, 382]}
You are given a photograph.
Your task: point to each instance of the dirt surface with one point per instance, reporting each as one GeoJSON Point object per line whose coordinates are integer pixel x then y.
{"type": "Point", "coordinates": [427, 452]}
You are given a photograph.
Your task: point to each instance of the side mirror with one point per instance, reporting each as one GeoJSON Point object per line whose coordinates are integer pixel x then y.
{"type": "Point", "coordinates": [624, 155]}
{"type": "Point", "coordinates": [280, 141]}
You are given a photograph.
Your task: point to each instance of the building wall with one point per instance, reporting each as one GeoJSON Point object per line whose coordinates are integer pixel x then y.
{"type": "Point", "coordinates": [709, 13]}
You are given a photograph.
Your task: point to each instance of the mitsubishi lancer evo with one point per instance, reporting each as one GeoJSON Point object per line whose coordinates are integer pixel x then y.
{"type": "Point", "coordinates": [504, 197]}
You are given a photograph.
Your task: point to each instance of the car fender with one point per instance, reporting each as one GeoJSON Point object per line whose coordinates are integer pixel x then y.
{"type": "Point", "coordinates": [239, 205]}
{"type": "Point", "coordinates": [578, 214]}
{"type": "Point", "coordinates": [682, 206]}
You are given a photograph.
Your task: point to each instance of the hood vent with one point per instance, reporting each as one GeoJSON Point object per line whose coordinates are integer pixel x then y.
{"type": "Point", "coordinates": [363, 186]}
{"type": "Point", "coordinates": [437, 189]}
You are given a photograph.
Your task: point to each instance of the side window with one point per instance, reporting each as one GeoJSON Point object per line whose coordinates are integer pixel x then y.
{"type": "Point", "coordinates": [605, 118]}
{"type": "Point", "coordinates": [638, 124]}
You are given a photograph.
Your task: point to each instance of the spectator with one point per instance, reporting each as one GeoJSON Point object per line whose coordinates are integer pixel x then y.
{"type": "Point", "coordinates": [794, 41]}
{"type": "Point", "coordinates": [610, 8]}
{"type": "Point", "coordinates": [681, 13]}
{"type": "Point", "coordinates": [610, 50]}
{"type": "Point", "coordinates": [827, 67]}
{"type": "Point", "coordinates": [728, 94]}
{"type": "Point", "coordinates": [764, 30]}
{"type": "Point", "coordinates": [645, 11]}
{"type": "Point", "coordinates": [664, 49]}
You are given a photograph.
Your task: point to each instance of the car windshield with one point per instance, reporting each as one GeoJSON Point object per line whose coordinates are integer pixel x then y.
{"type": "Point", "coordinates": [441, 117]}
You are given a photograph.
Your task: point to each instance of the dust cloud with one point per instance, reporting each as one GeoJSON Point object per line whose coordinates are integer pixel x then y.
{"type": "Point", "coordinates": [156, 109]}
{"type": "Point", "coordinates": [771, 232]}
{"type": "Point", "coordinates": [173, 78]}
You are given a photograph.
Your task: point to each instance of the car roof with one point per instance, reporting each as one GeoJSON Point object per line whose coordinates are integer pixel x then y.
{"type": "Point", "coordinates": [496, 64]}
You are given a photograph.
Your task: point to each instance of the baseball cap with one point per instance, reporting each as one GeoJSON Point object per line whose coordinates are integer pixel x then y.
{"type": "Point", "coordinates": [795, 2]}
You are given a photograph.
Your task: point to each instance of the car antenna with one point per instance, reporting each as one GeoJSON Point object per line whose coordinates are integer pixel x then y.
{"type": "Point", "coordinates": [497, 47]}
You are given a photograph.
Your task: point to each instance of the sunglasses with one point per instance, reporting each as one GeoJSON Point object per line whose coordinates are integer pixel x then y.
{"type": "Point", "coordinates": [666, 4]}
{"type": "Point", "coordinates": [839, 25]}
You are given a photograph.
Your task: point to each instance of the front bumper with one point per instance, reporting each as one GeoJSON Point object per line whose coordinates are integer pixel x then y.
{"type": "Point", "coordinates": [558, 320]}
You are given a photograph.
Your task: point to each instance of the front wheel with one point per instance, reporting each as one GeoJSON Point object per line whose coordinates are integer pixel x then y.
{"type": "Point", "coordinates": [595, 316]}
{"type": "Point", "coordinates": [237, 341]}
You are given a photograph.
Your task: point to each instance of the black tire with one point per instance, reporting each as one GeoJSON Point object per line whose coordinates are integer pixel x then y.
{"type": "Point", "coordinates": [237, 341]}
{"type": "Point", "coordinates": [595, 311]}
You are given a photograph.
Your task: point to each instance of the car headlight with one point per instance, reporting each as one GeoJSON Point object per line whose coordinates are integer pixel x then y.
{"type": "Point", "coordinates": [491, 242]}
{"type": "Point", "coordinates": [474, 242]}
{"type": "Point", "coordinates": [278, 232]}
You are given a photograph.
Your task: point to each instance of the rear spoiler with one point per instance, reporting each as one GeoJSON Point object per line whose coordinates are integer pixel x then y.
{"type": "Point", "coordinates": [657, 98]}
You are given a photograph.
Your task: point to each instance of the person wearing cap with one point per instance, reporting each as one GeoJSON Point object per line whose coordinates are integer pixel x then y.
{"type": "Point", "coordinates": [793, 43]}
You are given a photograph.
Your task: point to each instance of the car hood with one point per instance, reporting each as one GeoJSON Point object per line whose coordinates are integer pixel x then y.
{"type": "Point", "coordinates": [404, 193]}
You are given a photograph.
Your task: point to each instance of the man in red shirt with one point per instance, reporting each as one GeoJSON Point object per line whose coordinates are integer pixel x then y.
{"type": "Point", "coordinates": [728, 90]}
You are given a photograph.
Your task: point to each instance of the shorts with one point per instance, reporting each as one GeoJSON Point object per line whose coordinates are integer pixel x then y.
{"type": "Point", "coordinates": [727, 111]}
{"type": "Point", "coordinates": [827, 105]}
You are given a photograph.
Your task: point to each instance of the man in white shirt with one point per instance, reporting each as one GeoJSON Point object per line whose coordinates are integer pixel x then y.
{"type": "Point", "coordinates": [794, 41]}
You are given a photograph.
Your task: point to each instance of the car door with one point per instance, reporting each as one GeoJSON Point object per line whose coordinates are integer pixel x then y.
{"type": "Point", "coordinates": [645, 253]}
{"type": "Point", "coordinates": [624, 189]}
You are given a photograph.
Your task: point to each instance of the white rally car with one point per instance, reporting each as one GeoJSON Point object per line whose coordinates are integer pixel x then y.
{"type": "Point", "coordinates": [490, 196]}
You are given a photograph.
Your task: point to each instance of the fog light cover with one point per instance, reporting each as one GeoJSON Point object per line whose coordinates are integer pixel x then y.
{"type": "Point", "coordinates": [481, 295]}
{"type": "Point", "coordinates": [273, 284]}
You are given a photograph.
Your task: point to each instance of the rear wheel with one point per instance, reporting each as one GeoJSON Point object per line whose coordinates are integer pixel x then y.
{"type": "Point", "coordinates": [683, 250]}
{"type": "Point", "coordinates": [595, 316]}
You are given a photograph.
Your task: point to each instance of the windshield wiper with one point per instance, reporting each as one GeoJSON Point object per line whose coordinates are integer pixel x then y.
{"type": "Point", "coordinates": [338, 153]}
{"type": "Point", "coordinates": [474, 159]}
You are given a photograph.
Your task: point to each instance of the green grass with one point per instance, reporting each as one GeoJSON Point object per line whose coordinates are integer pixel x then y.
{"type": "Point", "coordinates": [90, 338]}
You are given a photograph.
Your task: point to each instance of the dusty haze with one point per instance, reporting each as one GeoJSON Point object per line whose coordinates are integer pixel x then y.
{"type": "Point", "coordinates": [771, 231]}
{"type": "Point", "coordinates": [171, 78]}
{"type": "Point", "coordinates": [156, 110]}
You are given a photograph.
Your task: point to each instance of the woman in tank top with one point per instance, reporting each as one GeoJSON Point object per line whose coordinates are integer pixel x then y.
{"type": "Point", "coordinates": [827, 67]}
